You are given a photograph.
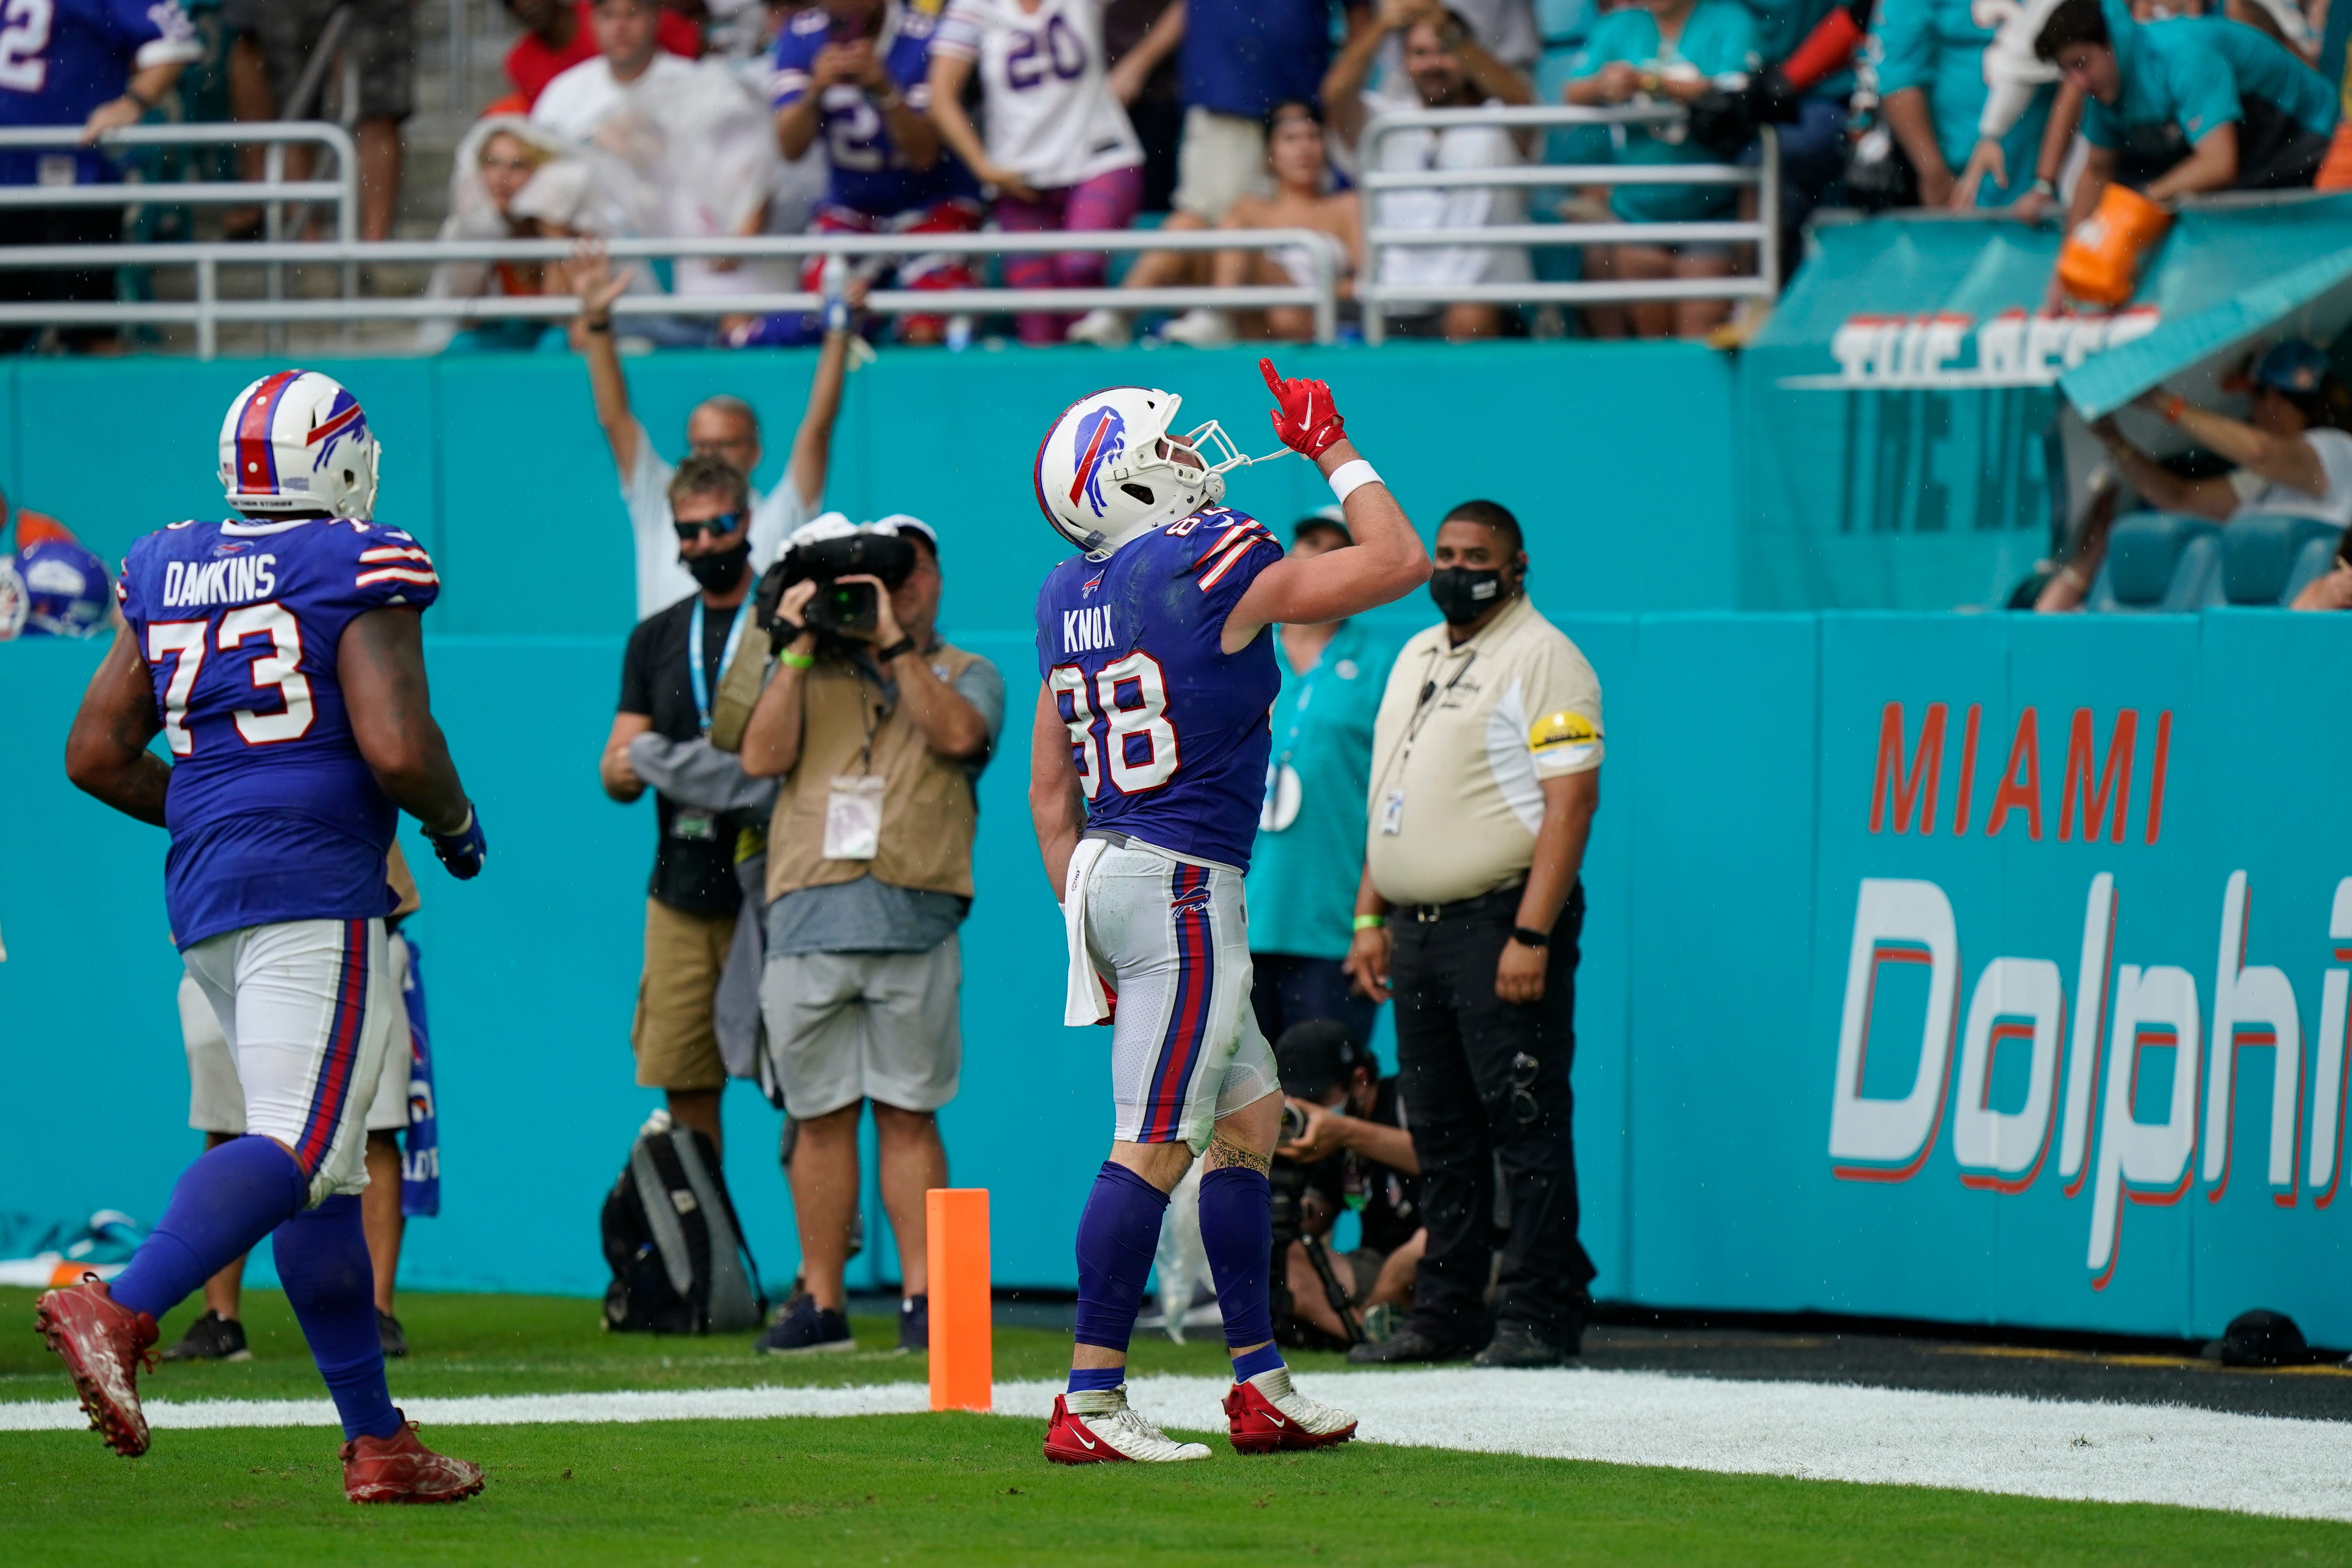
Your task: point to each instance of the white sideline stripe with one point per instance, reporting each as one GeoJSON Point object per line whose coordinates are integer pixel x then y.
{"type": "Point", "coordinates": [1974, 1442]}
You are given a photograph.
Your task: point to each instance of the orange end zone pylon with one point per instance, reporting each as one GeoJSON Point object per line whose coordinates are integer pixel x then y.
{"type": "Point", "coordinates": [955, 1221]}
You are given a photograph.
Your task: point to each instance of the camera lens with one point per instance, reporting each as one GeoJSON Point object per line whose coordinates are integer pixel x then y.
{"type": "Point", "coordinates": [1294, 1124]}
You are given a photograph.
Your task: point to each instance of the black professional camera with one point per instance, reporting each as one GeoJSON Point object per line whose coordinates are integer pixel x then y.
{"type": "Point", "coordinates": [841, 610]}
{"type": "Point", "coordinates": [1288, 1181]}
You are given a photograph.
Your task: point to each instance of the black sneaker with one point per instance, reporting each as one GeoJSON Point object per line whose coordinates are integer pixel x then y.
{"type": "Point", "coordinates": [1516, 1345]}
{"type": "Point", "coordinates": [388, 1331]}
{"type": "Point", "coordinates": [211, 1338]}
{"type": "Point", "coordinates": [1403, 1348]}
{"type": "Point", "coordinates": [804, 1326]}
{"type": "Point", "coordinates": [914, 1323]}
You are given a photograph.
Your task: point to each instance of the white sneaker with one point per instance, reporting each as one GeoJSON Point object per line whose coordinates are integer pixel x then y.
{"type": "Point", "coordinates": [1105, 328]}
{"type": "Point", "coordinates": [1097, 1428]}
{"type": "Point", "coordinates": [1267, 1414]}
{"type": "Point", "coordinates": [1199, 329]}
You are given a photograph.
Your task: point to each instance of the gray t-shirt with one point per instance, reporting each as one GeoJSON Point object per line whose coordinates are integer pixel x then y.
{"type": "Point", "coordinates": [871, 916]}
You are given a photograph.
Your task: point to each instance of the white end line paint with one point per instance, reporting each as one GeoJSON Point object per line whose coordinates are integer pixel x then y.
{"type": "Point", "coordinates": [1975, 1442]}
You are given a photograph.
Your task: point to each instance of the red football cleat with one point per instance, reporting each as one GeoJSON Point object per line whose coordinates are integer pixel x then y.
{"type": "Point", "coordinates": [1267, 1414]}
{"type": "Point", "coordinates": [102, 1343]}
{"type": "Point", "coordinates": [1099, 1428]}
{"type": "Point", "coordinates": [399, 1468]}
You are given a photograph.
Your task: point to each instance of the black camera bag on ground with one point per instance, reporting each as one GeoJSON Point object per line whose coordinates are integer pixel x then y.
{"type": "Point", "coordinates": [679, 1263]}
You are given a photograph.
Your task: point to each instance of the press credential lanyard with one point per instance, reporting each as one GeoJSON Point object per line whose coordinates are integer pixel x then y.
{"type": "Point", "coordinates": [694, 656]}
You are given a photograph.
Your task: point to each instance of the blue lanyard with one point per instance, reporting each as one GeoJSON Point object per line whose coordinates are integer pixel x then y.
{"type": "Point", "coordinates": [694, 656]}
{"type": "Point", "coordinates": [1306, 694]}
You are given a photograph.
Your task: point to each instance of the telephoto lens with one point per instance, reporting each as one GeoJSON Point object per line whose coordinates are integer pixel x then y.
{"type": "Point", "coordinates": [1294, 1123]}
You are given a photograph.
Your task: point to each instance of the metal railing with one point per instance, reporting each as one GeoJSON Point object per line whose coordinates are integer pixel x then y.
{"type": "Point", "coordinates": [272, 193]}
{"type": "Point", "coordinates": [1762, 232]}
{"type": "Point", "coordinates": [208, 310]}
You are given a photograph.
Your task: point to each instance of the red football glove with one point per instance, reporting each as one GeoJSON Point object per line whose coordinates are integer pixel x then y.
{"type": "Point", "coordinates": [1308, 421]}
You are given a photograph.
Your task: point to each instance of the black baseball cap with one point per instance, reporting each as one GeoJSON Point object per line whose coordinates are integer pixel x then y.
{"type": "Point", "coordinates": [1317, 1056]}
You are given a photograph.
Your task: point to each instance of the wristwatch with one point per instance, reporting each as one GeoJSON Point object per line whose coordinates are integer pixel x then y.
{"type": "Point", "coordinates": [1528, 936]}
{"type": "Point", "coordinates": [903, 646]}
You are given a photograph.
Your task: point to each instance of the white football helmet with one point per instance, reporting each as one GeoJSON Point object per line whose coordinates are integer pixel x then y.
{"type": "Point", "coordinates": [1109, 469]}
{"type": "Point", "coordinates": [298, 441]}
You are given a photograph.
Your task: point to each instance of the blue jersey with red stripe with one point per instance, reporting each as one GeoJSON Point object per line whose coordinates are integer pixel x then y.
{"type": "Point", "coordinates": [1167, 730]}
{"type": "Point", "coordinates": [61, 58]}
{"type": "Point", "coordinates": [274, 814]}
{"type": "Point", "coordinates": [866, 170]}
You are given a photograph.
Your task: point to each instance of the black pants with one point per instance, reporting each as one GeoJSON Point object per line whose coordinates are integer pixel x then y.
{"type": "Point", "coordinates": [1485, 1084]}
{"type": "Point", "coordinates": [58, 226]}
{"type": "Point", "coordinates": [1287, 989]}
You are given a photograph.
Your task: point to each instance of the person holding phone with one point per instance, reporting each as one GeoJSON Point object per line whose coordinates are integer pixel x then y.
{"type": "Point", "coordinates": [857, 73]}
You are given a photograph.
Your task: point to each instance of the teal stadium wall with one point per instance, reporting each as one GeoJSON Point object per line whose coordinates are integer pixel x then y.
{"type": "Point", "coordinates": [1616, 456]}
{"type": "Point", "coordinates": [1750, 796]}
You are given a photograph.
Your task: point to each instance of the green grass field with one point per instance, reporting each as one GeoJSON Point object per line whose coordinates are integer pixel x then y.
{"type": "Point", "coordinates": [943, 1489]}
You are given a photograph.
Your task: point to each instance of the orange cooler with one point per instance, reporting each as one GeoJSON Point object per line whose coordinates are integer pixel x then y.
{"type": "Point", "coordinates": [2100, 262]}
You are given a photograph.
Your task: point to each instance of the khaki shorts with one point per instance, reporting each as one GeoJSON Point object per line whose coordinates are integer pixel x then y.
{"type": "Point", "coordinates": [216, 1093]}
{"type": "Point", "coordinates": [674, 1035]}
{"type": "Point", "coordinates": [1220, 160]}
{"type": "Point", "coordinates": [846, 1026]}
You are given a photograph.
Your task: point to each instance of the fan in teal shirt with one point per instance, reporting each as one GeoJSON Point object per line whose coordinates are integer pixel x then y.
{"type": "Point", "coordinates": [2181, 78]}
{"type": "Point", "coordinates": [1936, 48]}
{"type": "Point", "coordinates": [1309, 853]}
{"type": "Point", "coordinates": [1715, 38]}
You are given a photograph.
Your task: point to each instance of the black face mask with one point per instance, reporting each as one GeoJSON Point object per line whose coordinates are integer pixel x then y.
{"type": "Point", "coordinates": [718, 573]}
{"type": "Point", "coordinates": [1464, 594]}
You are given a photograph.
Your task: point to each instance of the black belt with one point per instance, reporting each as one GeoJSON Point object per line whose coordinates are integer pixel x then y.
{"type": "Point", "coordinates": [1432, 914]}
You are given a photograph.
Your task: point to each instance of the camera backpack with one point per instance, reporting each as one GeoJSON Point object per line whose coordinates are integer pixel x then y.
{"type": "Point", "coordinates": [679, 1263]}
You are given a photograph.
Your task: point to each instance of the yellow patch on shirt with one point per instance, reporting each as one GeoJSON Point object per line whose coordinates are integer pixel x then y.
{"type": "Point", "coordinates": [1554, 731]}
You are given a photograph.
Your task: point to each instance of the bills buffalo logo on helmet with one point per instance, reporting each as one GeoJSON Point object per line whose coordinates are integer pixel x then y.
{"type": "Point", "coordinates": [343, 418]}
{"type": "Point", "coordinates": [1101, 439]}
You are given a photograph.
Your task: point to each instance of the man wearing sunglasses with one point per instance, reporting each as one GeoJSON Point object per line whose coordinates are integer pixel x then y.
{"type": "Point", "coordinates": [669, 680]}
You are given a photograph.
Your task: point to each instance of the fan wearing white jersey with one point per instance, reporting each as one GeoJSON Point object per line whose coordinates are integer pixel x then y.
{"type": "Point", "coordinates": [1060, 151]}
{"type": "Point", "coordinates": [1147, 763]}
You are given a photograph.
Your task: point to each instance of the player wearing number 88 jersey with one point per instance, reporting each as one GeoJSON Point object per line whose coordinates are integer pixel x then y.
{"type": "Point", "coordinates": [279, 653]}
{"type": "Point", "coordinates": [1147, 762]}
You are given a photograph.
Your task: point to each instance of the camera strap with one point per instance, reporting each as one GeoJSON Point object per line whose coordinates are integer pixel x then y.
{"type": "Point", "coordinates": [694, 658]}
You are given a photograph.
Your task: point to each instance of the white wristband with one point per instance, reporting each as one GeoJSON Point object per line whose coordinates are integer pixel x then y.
{"type": "Point", "coordinates": [1351, 477]}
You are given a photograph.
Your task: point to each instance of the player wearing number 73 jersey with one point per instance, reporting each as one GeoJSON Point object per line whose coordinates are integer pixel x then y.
{"type": "Point", "coordinates": [1147, 766]}
{"type": "Point", "coordinates": [278, 655]}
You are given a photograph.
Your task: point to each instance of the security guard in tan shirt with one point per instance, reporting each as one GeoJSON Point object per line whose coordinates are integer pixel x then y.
{"type": "Point", "coordinates": [1486, 774]}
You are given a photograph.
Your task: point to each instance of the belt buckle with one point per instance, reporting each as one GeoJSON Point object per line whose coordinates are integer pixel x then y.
{"type": "Point", "coordinates": [1428, 914]}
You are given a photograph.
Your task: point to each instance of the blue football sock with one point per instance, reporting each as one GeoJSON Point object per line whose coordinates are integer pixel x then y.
{"type": "Point", "coordinates": [223, 1205]}
{"type": "Point", "coordinates": [1118, 1235]}
{"type": "Point", "coordinates": [1096, 1379]}
{"type": "Point", "coordinates": [322, 1262]}
{"type": "Point", "coordinates": [1237, 1231]}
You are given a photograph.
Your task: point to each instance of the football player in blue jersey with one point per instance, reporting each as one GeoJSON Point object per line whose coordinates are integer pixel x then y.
{"type": "Point", "coordinates": [1146, 769]}
{"type": "Point", "coordinates": [279, 655]}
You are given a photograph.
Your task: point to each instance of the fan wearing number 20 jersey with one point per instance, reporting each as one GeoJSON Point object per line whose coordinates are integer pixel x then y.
{"type": "Point", "coordinates": [1168, 731]}
{"type": "Point", "coordinates": [274, 814]}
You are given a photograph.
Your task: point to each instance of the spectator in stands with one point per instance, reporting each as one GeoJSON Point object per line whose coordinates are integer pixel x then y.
{"type": "Point", "coordinates": [100, 68]}
{"type": "Point", "coordinates": [1668, 52]}
{"type": "Point", "coordinates": [1241, 57]}
{"type": "Point", "coordinates": [1302, 198]}
{"type": "Point", "coordinates": [2332, 591]}
{"type": "Point", "coordinates": [510, 180]}
{"type": "Point", "coordinates": [379, 39]}
{"type": "Point", "coordinates": [1447, 68]}
{"type": "Point", "coordinates": [1060, 151]}
{"type": "Point", "coordinates": [719, 427]}
{"type": "Point", "coordinates": [1933, 72]}
{"type": "Point", "coordinates": [2177, 108]}
{"type": "Point", "coordinates": [1310, 840]}
{"type": "Point", "coordinates": [561, 34]}
{"type": "Point", "coordinates": [1143, 38]}
{"type": "Point", "coordinates": [581, 97]}
{"type": "Point", "coordinates": [2066, 587]}
{"type": "Point", "coordinates": [2293, 452]}
{"type": "Point", "coordinates": [869, 878]}
{"type": "Point", "coordinates": [858, 72]}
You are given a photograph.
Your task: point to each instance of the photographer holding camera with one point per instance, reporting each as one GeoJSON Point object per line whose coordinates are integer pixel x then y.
{"type": "Point", "coordinates": [877, 731]}
{"type": "Point", "coordinates": [1344, 1144]}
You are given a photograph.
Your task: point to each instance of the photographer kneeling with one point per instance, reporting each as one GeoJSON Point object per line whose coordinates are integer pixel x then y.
{"type": "Point", "coordinates": [1344, 1144]}
{"type": "Point", "coordinates": [878, 730]}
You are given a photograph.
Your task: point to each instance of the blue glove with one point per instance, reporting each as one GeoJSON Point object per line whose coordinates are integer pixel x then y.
{"type": "Point", "coordinates": [462, 852]}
